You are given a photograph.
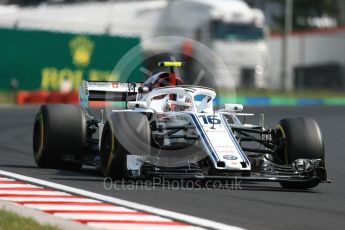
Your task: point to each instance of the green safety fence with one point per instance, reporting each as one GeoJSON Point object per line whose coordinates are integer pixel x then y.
{"type": "Point", "coordinates": [33, 59]}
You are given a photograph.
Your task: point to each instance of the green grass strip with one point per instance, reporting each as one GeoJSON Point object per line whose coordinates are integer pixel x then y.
{"type": "Point", "coordinates": [283, 101]}
{"type": "Point", "coordinates": [335, 101]}
{"type": "Point", "coordinates": [12, 221]}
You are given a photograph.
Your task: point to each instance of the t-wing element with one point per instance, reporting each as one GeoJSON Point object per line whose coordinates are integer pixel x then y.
{"type": "Point", "coordinates": [171, 65]}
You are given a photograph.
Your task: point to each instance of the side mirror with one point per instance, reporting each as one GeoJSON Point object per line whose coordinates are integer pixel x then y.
{"type": "Point", "coordinates": [136, 104]}
{"type": "Point", "coordinates": [233, 107]}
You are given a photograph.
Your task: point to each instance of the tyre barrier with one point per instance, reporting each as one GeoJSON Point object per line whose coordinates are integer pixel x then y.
{"type": "Point", "coordinates": [44, 96]}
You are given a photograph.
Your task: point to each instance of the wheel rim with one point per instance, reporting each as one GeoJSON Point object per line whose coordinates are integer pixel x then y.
{"type": "Point", "coordinates": [38, 138]}
{"type": "Point", "coordinates": [283, 135]}
{"type": "Point", "coordinates": [108, 150]}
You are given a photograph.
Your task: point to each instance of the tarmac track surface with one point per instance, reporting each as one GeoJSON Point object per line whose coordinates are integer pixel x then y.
{"type": "Point", "coordinates": [255, 206]}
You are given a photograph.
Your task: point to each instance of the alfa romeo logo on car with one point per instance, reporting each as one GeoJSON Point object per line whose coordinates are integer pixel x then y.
{"type": "Point", "coordinates": [230, 157]}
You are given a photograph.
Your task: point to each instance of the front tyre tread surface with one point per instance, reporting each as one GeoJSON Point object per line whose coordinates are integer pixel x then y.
{"type": "Point", "coordinates": [121, 137]}
{"type": "Point", "coordinates": [299, 185]}
{"type": "Point", "coordinates": [303, 140]}
{"type": "Point", "coordinates": [59, 129]}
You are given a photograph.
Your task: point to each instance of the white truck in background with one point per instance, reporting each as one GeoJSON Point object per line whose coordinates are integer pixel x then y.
{"type": "Point", "coordinates": [231, 28]}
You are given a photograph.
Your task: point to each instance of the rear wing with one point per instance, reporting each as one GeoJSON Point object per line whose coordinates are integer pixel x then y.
{"type": "Point", "coordinates": [107, 91]}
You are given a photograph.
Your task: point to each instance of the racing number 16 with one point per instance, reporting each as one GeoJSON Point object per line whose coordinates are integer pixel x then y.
{"type": "Point", "coordinates": [210, 119]}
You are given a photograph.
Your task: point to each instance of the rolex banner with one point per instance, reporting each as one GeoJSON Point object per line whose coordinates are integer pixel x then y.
{"type": "Point", "coordinates": [31, 59]}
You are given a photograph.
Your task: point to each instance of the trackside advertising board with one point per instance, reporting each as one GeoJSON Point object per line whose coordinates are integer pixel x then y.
{"type": "Point", "coordinates": [43, 59]}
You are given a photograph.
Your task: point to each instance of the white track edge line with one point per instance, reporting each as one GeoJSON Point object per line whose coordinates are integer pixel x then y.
{"type": "Point", "coordinates": [129, 204]}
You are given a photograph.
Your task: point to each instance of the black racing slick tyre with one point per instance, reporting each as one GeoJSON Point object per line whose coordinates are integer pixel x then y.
{"type": "Point", "coordinates": [59, 130]}
{"type": "Point", "coordinates": [124, 133]}
{"type": "Point", "coordinates": [303, 140]}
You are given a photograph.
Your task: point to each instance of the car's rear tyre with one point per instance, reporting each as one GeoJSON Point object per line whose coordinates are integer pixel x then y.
{"type": "Point", "coordinates": [124, 133]}
{"type": "Point", "coordinates": [303, 139]}
{"type": "Point", "coordinates": [59, 130]}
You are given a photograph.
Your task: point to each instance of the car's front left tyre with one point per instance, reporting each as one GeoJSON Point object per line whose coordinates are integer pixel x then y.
{"type": "Point", "coordinates": [59, 130]}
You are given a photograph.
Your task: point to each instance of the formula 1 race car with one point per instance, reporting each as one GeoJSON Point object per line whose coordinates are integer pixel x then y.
{"type": "Point", "coordinates": [172, 130]}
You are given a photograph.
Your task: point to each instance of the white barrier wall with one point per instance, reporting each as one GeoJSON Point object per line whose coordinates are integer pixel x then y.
{"type": "Point", "coordinates": [307, 48]}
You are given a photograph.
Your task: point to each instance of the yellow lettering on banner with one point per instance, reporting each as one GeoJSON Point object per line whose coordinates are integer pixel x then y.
{"type": "Point", "coordinates": [78, 76]}
{"type": "Point", "coordinates": [52, 78]}
{"type": "Point", "coordinates": [73, 76]}
{"type": "Point", "coordinates": [49, 75]}
{"type": "Point", "coordinates": [93, 75]}
{"type": "Point", "coordinates": [99, 75]}
{"type": "Point", "coordinates": [114, 77]}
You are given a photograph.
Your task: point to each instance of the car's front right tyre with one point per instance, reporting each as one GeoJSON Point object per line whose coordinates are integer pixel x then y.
{"type": "Point", "coordinates": [123, 134]}
{"type": "Point", "coordinates": [303, 140]}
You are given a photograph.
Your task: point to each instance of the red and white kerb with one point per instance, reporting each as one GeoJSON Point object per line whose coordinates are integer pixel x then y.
{"type": "Point", "coordinates": [82, 209]}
